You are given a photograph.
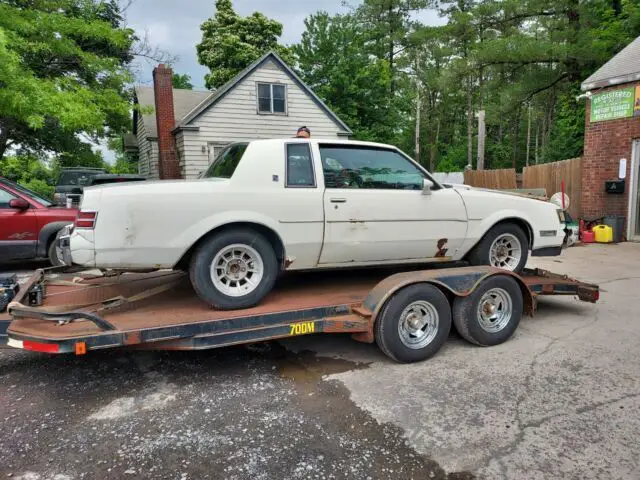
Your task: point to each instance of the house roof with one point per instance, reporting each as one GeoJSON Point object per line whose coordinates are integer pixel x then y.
{"type": "Point", "coordinates": [621, 68]}
{"type": "Point", "coordinates": [222, 91]}
{"type": "Point", "coordinates": [184, 102]}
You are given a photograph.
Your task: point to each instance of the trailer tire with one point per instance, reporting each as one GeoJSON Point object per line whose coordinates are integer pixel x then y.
{"type": "Point", "coordinates": [246, 262]}
{"type": "Point", "coordinates": [491, 313]}
{"type": "Point", "coordinates": [414, 323]}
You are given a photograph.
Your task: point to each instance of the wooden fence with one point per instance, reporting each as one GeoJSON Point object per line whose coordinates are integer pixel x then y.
{"type": "Point", "coordinates": [495, 179]}
{"type": "Point", "coordinates": [550, 175]}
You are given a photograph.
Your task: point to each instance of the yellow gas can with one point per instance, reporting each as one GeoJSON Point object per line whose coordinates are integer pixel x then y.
{"type": "Point", "coordinates": [603, 233]}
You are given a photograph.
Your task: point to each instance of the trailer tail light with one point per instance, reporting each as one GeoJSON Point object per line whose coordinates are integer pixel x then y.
{"type": "Point", "coordinates": [86, 219]}
{"type": "Point", "coordinates": [40, 347]}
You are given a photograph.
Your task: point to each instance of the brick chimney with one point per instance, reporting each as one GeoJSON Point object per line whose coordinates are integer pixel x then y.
{"type": "Point", "coordinates": [168, 165]}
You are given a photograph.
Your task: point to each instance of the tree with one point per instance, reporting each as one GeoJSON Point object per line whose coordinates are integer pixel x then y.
{"type": "Point", "coordinates": [230, 43]}
{"type": "Point", "coordinates": [61, 65]}
{"type": "Point", "coordinates": [182, 81]}
{"type": "Point", "coordinates": [333, 61]}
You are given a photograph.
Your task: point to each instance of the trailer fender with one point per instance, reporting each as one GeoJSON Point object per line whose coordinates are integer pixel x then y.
{"type": "Point", "coordinates": [458, 282]}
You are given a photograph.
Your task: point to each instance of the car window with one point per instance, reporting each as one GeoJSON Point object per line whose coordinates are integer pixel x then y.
{"type": "Point", "coordinates": [368, 167]}
{"type": "Point", "coordinates": [75, 178]}
{"type": "Point", "coordinates": [225, 164]}
{"type": "Point", "coordinates": [299, 166]}
{"type": "Point", "coordinates": [5, 198]}
{"type": "Point", "coordinates": [33, 195]}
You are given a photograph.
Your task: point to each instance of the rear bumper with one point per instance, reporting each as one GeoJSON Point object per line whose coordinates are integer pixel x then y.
{"type": "Point", "coordinates": [77, 246]}
{"type": "Point", "coordinates": [547, 252]}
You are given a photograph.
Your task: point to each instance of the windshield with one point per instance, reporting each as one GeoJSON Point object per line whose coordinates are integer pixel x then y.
{"type": "Point", "coordinates": [225, 164]}
{"type": "Point", "coordinates": [76, 178]}
{"type": "Point", "coordinates": [29, 193]}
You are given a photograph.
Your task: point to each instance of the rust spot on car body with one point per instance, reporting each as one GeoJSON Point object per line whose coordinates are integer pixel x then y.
{"type": "Point", "coordinates": [442, 247]}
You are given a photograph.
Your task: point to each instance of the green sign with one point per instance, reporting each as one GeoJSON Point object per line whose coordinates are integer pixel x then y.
{"type": "Point", "coordinates": [611, 105]}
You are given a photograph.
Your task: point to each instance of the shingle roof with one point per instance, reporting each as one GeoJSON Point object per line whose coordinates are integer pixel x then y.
{"type": "Point", "coordinates": [184, 101]}
{"type": "Point", "coordinates": [622, 68]}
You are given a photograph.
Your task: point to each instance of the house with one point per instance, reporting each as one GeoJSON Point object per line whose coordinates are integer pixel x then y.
{"type": "Point", "coordinates": [187, 129]}
{"type": "Point", "coordinates": [611, 159]}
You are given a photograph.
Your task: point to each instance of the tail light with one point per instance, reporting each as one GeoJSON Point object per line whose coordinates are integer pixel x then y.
{"type": "Point", "coordinates": [86, 219]}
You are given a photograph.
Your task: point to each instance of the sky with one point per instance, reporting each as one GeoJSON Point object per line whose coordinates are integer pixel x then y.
{"type": "Point", "coordinates": [174, 26]}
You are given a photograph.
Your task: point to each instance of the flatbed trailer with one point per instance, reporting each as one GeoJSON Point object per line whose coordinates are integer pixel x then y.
{"type": "Point", "coordinates": [409, 314]}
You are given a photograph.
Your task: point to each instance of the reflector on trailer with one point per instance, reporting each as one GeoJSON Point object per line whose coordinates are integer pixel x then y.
{"type": "Point", "coordinates": [81, 348]}
{"type": "Point", "coordinates": [40, 347]}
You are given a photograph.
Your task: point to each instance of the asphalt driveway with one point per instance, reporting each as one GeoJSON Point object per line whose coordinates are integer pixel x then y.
{"type": "Point", "coordinates": [559, 400]}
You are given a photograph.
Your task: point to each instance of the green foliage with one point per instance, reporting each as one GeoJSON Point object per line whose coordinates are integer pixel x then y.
{"type": "Point", "coordinates": [182, 81]}
{"type": "Point", "coordinates": [63, 72]}
{"type": "Point", "coordinates": [230, 43]}
{"type": "Point", "coordinates": [521, 61]}
{"type": "Point", "coordinates": [31, 172]}
{"type": "Point", "coordinates": [40, 187]}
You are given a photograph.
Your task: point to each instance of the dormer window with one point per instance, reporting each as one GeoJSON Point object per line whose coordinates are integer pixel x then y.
{"type": "Point", "coordinates": [272, 98]}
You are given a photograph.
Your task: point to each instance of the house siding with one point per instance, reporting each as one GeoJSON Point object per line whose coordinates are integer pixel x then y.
{"type": "Point", "coordinates": [235, 118]}
{"type": "Point", "coordinates": [147, 153]}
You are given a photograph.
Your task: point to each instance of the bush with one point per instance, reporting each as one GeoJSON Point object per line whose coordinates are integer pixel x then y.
{"type": "Point", "coordinates": [40, 187]}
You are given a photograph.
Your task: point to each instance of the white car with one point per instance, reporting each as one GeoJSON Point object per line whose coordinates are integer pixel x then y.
{"type": "Point", "coordinates": [294, 204]}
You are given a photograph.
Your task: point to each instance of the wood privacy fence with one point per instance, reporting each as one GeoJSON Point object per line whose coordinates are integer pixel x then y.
{"type": "Point", "coordinates": [550, 175]}
{"type": "Point", "coordinates": [495, 179]}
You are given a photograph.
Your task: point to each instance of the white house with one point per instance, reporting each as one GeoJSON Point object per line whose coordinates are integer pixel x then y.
{"type": "Point", "coordinates": [188, 128]}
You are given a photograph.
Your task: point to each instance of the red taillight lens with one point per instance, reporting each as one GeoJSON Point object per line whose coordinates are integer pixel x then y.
{"type": "Point", "coordinates": [86, 219]}
{"type": "Point", "coordinates": [41, 347]}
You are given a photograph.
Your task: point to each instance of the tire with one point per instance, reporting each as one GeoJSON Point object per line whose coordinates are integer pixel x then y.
{"type": "Point", "coordinates": [488, 330]}
{"type": "Point", "coordinates": [509, 235]}
{"type": "Point", "coordinates": [393, 330]}
{"type": "Point", "coordinates": [52, 252]}
{"type": "Point", "coordinates": [246, 249]}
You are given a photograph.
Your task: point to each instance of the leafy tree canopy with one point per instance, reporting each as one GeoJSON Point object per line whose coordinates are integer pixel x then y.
{"type": "Point", "coordinates": [182, 81]}
{"type": "Point", "coordinates": [62, 72]}
{"type": "Point", "coordinates": [230, 43]}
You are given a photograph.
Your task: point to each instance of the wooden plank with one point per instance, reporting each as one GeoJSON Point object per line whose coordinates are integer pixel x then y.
{"type": "Point", "coordinates": [550, 176]}
{"type": "Point", "coordinates": [504, 179]}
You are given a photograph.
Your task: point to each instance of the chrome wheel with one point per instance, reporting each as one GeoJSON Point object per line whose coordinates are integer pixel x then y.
{"type": "Point", "coordinates": [418, 324]}
{"type": "Point", "coordinates": [505, 252]}
{"type": "Point", "coordinates": [237, 270]}
{"type": "Point", "coordinates": [495, 310]}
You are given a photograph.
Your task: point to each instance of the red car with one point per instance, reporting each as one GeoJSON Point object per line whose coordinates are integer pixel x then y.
{"type": "Point", "coordinates": [29, 223]}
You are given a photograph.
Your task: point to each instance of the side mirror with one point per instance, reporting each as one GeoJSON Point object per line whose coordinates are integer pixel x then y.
{"type": "Point", "coordinates": [19, 204]}
{"type": "Point", "coordinates": [427, 185]}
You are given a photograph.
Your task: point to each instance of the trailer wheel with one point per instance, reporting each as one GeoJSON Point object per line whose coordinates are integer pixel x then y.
{"type": "Point", "coordinates": [491, 313]}
{"type": "Point", "coordinates": [234, 269]}
{"type": "Point", "coordinates": [414, 323]}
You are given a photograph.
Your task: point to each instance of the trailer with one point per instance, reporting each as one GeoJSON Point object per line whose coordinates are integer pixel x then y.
{"type": "Point", "coordinates": [409, 314]}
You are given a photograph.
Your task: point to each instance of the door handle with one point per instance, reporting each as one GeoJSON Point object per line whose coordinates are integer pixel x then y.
{"type": "Point", "coordinates": [338, 200]}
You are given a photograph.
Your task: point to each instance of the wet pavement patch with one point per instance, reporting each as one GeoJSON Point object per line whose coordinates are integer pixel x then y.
{"type": "Point", "coordinates": [256, 412]}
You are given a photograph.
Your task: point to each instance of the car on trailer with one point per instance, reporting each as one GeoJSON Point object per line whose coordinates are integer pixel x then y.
{"type": "Point", "coordinates": [268, 206]}
{"type": "Point", "coordinates": [408, 314]}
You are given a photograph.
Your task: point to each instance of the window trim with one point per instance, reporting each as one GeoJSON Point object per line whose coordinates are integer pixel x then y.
{"type": "Point", "coordinates": [437, 185]}
{"type": "Point", "coordinates": [286, 165]}
{"type": "Point", "coordinates": [211, 147]}
{"type": "Point", "coordinates": [271, 112]}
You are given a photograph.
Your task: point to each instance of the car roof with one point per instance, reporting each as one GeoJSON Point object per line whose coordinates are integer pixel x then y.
{"type": "Point", "coordinates": [332, 141]}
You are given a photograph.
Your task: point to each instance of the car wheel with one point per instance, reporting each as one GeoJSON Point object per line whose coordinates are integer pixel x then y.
{"type": "Point", "coordinates": [234, 269]}
{"type": "Point", "coordinates": [491, 313]}
{"type": "Point", "coordinates": [54, 253]}
{"type": "Point", "coordinates": [504, 246]}
{"type": "Point", "coordinates": [414, 323]}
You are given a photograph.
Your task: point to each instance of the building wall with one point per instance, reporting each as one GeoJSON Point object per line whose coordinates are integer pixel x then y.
{"type": "Point", "coordinates": [235, 118]}
{"type": "Point", "coordinates": [147, 153]}
{"type": "Point", "coordinates": [605, 143]}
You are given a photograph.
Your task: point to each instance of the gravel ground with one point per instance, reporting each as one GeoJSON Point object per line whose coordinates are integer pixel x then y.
{"type": "Point", "coordinates": [561, 399]}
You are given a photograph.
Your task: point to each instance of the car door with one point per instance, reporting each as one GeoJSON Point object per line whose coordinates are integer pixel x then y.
{"type": "Point", "coordinates": [376, 210]}
{"type": "Point", "coordinates": [18, 230]}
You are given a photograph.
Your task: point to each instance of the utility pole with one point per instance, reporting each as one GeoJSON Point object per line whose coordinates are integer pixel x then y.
{"type": "Point", "coordinates": [528, 134]}
{"type": "Point", "coordinates": [418, 107]}
{"type": "Point", "coordinates": [481, 136]}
